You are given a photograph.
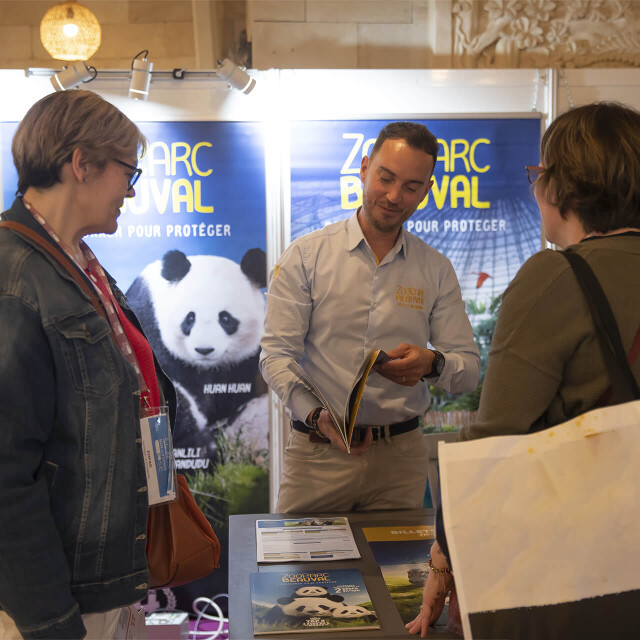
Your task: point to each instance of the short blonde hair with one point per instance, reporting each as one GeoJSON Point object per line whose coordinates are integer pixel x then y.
{"type": "Point", "coordinates": [64, 121]}
{"type": "Point", "coordinates": [591, 160]}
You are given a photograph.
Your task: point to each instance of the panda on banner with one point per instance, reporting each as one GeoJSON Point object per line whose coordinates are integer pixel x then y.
{"type": "Point", "coordinates": [203, 316]}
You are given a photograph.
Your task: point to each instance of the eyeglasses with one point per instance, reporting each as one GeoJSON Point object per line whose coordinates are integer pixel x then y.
{"type": "Point", "coordinates": [136, 172]}
{"type": "Point", "coordinates": [533, 172]}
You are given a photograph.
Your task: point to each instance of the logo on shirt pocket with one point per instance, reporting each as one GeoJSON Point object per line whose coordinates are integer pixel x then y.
{"type": "Point", "coordinates": [410, 297]}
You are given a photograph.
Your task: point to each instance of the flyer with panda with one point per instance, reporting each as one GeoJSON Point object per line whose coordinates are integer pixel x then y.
{"type": "Point", "coordinates": [299, 601]}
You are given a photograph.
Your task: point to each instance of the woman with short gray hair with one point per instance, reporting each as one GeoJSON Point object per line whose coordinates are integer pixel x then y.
{"type": "Point", "coordinates": [76, 374]}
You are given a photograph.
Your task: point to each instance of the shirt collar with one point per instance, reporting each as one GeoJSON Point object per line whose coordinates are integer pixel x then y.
{"type": "Point", "coordinates": [354, 232]}
{"type": "Point", "coordinates": [402, 244]}
{"type": "Point", "coordinates": [355, 237]}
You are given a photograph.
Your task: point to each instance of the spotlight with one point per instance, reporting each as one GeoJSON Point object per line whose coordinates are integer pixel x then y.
{"type": "Point", "coordinates": [71, 77]}
{"type": "Point", "coordinates": [235, 76]}
{"type": "Point", "coordinates": [140, 76]}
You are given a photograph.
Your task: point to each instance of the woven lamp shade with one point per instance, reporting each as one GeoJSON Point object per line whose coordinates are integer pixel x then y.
{"type": "Point", "coordinates": [70, 31]}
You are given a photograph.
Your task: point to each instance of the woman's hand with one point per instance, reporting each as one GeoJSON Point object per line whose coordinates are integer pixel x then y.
{"type": "Point", "coordinates": [436, 588]}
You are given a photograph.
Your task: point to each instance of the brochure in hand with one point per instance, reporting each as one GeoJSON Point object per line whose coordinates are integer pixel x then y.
{"type": "Point", "coordinates": [308, 539]}
{"type": "Point", "coordinates": [345, 420]}
{"type": "Point", "coordinates": [295, 602]}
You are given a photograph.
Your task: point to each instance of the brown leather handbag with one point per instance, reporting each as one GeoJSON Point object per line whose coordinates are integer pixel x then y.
{"type": "Point", "coordinates": [181, 545]}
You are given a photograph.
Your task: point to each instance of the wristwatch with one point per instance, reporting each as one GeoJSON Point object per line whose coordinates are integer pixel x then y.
{"type": "Point", "coordinates": [436, 366]}
{"type": "Point", "coordinates": [314, 419]}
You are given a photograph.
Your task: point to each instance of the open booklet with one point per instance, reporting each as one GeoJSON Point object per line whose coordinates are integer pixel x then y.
{"type": "Point", "coordinates": [345, 421]}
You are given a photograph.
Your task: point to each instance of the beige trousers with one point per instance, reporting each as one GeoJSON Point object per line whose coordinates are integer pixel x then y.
{"type": "Point", "coordinates": [392, 474]}
{"type": "Point", "coordinates": [99, 626]}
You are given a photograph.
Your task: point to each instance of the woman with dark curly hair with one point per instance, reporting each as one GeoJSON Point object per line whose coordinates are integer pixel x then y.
{"type": "Point", "coordinates": [545, 364]}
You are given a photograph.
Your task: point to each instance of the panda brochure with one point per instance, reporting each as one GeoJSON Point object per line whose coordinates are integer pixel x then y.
{"type": "Point", "coordinates": [305, 539]}
{"type": "Point", "coordinates": [346, 421]}
{"type": "Point", "coordinates": [296, 602]}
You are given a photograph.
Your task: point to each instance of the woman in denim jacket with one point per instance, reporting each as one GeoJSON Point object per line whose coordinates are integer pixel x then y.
{"type": "Point", "coordinates": [73, 495]}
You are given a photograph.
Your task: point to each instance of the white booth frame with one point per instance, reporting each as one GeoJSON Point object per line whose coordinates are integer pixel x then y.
{"type": "Point", "coordinates": [282, 96]}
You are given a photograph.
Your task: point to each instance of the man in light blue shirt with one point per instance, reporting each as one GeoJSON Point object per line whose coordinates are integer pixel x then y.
{"type": "Point", "coordinates": [335, 295]}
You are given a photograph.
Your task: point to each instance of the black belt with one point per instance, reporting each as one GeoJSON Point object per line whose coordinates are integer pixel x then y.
{"type": "Point", "coordinates": [377, 431]}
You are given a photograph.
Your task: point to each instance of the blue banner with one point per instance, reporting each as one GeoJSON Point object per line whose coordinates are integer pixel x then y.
{"type": "Point", "coordinates": [480, 212]}
{"type": "Point", "coordinates": [189, 253]}
{"type": "Point", "coordinates": [202, 191]}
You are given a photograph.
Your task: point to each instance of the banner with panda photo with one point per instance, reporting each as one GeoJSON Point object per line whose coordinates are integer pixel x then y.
{"type": "Point", "coordinates": [189, 253]}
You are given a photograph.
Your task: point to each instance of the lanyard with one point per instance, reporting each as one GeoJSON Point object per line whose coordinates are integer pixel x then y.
{"type": "Point", "coordinates": [109, 303]}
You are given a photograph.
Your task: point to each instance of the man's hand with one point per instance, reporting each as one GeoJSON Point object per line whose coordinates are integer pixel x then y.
{"type": "Point", "coordinates": [329, 431]}
{"type": "Point", "coordinates": [407, 364]}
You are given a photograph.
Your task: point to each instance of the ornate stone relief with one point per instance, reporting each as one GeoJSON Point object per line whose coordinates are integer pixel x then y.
{"type": "Point", "coordinates": [545, 33]}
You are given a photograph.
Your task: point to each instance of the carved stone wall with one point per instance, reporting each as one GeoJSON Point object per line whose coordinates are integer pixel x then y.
{"type": "Point", "coordinates": [546, 33]}
{"type": "Point", "coordinates": [349, 34]}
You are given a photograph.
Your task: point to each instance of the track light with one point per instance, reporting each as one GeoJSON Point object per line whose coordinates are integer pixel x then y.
{"type": "Point", "coordinates": [235, 76]}
{"type": "Point", "coordinates": [71, 77]}
{"type": "Point", "coordinates": [140, 76]}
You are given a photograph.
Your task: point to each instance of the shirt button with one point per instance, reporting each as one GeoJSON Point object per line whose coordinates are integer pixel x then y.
{"type": "Point", "coordinates": [142, 489]}
{"type": "Point", "coordinates": [144, 585]}
{"type": "Point", "coordinates": [142, 536]}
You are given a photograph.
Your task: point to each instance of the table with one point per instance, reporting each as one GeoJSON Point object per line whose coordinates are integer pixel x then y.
{"type": "Point", "coordinates": [242, 562]}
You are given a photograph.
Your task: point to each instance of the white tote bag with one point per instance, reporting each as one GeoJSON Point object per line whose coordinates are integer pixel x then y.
{"type": "Point", "coordinates": [544, 529]}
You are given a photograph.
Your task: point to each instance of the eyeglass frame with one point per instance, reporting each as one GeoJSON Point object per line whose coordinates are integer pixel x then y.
{"type": "Point", "coordinates": [137, 171]}
{"type": "Point", "coordinates": [536, 169]}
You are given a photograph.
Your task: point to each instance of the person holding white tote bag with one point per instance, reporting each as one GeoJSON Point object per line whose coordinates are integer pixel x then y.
{"type": "Point", "coordinates": [547, 368]}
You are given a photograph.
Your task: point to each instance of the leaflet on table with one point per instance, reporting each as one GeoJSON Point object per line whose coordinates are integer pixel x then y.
{"type": "Point", "coordinates": [310, 600]}
{"type": "Point", "coordinates": [402, 552]}
{"type": "Point", "coordinates": [305, 539]}
{"type": "Point", "coordinates": [346, 421]}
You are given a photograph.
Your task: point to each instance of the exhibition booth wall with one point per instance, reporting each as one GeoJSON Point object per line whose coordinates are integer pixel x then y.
{"type": "Point", "coordinates": [234, 178]}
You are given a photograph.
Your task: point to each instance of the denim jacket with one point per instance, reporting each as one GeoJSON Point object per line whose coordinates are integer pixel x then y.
{"type": "Point", "coordinates": [73, 495]}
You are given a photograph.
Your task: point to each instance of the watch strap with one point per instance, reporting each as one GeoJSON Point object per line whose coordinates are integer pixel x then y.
{"type": "Point", "coordinates": [314, 418]}
{"type": "Point", "coordinates": [436, 366]}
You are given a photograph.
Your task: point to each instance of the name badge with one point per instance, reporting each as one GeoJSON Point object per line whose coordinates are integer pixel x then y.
{"type": "Point", "coordinates": [157, 448]}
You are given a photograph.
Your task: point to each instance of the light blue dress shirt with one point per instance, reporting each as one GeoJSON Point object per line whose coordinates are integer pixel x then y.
{"type": "Point", "coordinates": [330, 303]}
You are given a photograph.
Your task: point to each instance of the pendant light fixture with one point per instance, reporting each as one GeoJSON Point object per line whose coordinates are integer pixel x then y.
{"type": "Point", "coordinates": [69, 31]}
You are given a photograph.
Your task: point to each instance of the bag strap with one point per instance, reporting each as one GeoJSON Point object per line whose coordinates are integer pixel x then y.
{"type": "Point", "coordinates": [605, 398]}
{"type": "Point", "coordinates": [635, 349]}
{"type": "Point", "coordinates": [622, 378]}
{"type": "Point", "coordinates": [60, 257]}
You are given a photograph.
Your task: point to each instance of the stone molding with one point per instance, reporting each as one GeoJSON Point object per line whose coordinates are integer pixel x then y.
{"type": "Point", "coordinates": [546, 33]}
